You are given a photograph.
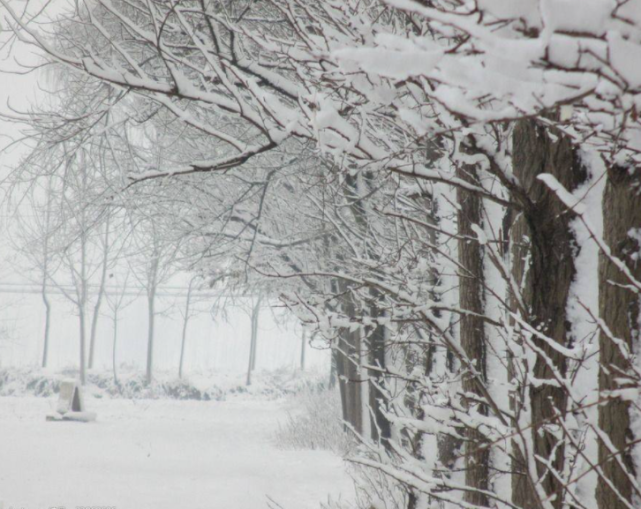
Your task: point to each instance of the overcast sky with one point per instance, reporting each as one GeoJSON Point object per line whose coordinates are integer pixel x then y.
{"type": "Point", "coordinates": [19, 88]}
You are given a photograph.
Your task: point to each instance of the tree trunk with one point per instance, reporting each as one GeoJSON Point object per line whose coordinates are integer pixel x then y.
{"type": "Point", "coordinates": [347, 350]}
{"type": "Point", "coordinates": [83, 342]}
{"type": "Point", "coordinates": [333, 370]}
{"type": "Point", "coordinates": [380, 425]}
{"type": "Point", "coordinates": [619, 308]}
{"type": "Point", "coordinates": [355, 396]}
{"type": "Point", "coordinates": [115, 338]}
{"type": "Point", "coordinates": [340, 360]}
{"type": "Point", "coordinates": [472, 332]}
{"type": "Point", "coordinates": [45, 299]}
{"type": "Point", "coordinates": [254, 342]}
{"type": "Point", "coordinates": [45, 279]}
{"type": "Point", "coordinates": [184, 332]}
{"type": "Point", "coordinates": [255, 314]}
{"type": "Point", "coordinates": [151, 318]}
{"type": "Point", "coordinates": [352, 348]}
{"type": "Point", "coordinates": [101, 292]}
{"type": "Point", "coordinates": [248, 381]}
{"type": "Point", "coordinates": [82, 305]}
{"type": "Point", "coordinates": [303, 344]}
{"type": "Point", "coordinates": [543, 258]}
{"type": "Point", "coordinates": [152, 283]}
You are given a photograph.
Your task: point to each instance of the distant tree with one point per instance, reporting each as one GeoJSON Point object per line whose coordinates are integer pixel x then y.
{"type": "Point", "coordinates": [186, 315]}
{"type": "Point", "coordinates": [118, 297]}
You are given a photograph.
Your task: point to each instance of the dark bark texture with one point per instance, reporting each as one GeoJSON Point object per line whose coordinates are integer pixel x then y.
{"type": "Point", "coordinates": [472, 332]}
{"type": "Point", "coordinates": [619, 309]}
{"type": "Point", "coordinates": [543, 251]}
{"type": "Point", "coordinates": [380, 426]}
{"type": "Point", "coordinates": [348, 362]}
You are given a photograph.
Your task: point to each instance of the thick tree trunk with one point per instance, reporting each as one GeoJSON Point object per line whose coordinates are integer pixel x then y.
{"type": "Point", "coordinates": [354, 385]}
{"type": "Point", "coordinates": [543, 259]}
{"type": "Point", "coordinates": [341, 374]}
{"type": "Point", "coordinates": [339, 358]}
{"type": "Point", "coordinates": [333, 374]}
{"type": "Point", "coordinates": [619, 307]}
{"type": "Point", "coordinates": [348, 356]}
{"type": "Point", "coordinates": [380, 425]}
{"type": "Point", "coordinates": [472, 332]}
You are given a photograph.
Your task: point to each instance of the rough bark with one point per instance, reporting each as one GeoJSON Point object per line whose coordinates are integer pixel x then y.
{"type": "Point", "coordinates": [348, 363]}
{"type": "Point", "coordinates": [620, 310]}
{"type": "Point", "coordinates": [472, 331]}
{"type": "Point", "coordinates": [341, 372]}
{"type": "Point", "coordinates": [354, 392]}
{"type": "Point", "coordinates": [380, 425]}
{"type": "Point", "coordinates": [543, 258]}
{"type": "Point", "coordinates": [338, 356]}
{"type": "Point", "coordinates": [333, 371]}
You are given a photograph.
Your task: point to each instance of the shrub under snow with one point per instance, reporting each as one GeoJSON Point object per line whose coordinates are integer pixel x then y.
{"type": "Point", "coordinates": [131, 384]}
{"type": "Point", "coordinates": [315, 423]}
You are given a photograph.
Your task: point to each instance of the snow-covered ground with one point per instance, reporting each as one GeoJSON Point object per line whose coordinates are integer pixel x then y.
{"type": "Point", "coordinates": [159, 454]}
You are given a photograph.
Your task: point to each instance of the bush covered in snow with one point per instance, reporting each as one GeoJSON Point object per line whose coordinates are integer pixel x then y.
{"type": "Point", "coordinates": [131, 384]}
{"type": "Point", "coordinates": [315, 423]}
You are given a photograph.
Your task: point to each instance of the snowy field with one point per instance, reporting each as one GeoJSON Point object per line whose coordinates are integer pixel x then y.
{"type": "Point", "coordinates": [160, 454]}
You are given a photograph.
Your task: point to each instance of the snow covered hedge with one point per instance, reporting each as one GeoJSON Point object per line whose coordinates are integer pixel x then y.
{"type": "Point", "coordinates": [204, 387]}
{"type": "Point", "coordinates": [315, 423]}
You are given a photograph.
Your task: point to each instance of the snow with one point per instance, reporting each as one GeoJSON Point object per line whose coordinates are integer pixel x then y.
{"type": "Point", "coordinates": [392, 63]}
{"type": "Point", "coordinates": [204, 386]}
{"type": "Point", "coordinates": [161, 454]}
{"type": "Point", "coordinates": [582, 16]}
{"type": "Point", "coordinates": [568, 200]}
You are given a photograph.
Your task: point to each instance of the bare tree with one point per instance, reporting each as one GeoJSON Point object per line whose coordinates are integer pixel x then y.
{"type": "Point", "coordinates": [101, 292]}
{"type": "Point", "coordinates": [117, 299]}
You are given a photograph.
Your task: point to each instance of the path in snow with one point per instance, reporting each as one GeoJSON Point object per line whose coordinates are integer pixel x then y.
{"type": "Point", "coordinates": [159, 455]}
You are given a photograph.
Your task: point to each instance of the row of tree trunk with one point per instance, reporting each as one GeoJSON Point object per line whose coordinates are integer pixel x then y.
{"type": "Point", "coordinates": [541, 249]}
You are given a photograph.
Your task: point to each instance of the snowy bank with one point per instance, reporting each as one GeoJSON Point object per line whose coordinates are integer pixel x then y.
{"type": "Point", "coordinates": [131, 385]}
